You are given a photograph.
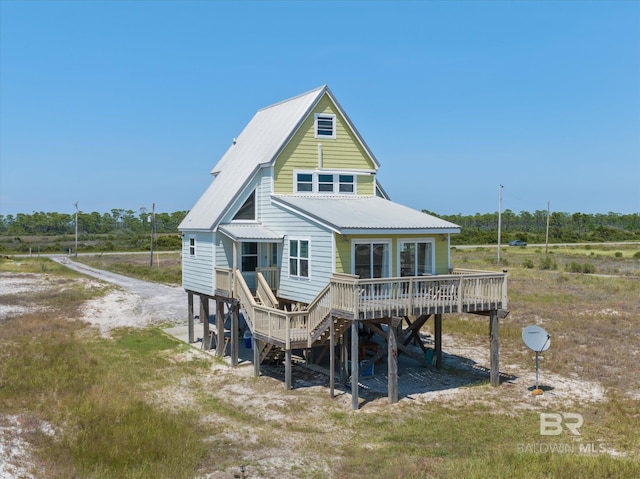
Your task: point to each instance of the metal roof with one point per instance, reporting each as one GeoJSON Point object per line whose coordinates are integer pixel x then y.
{"type": "Point", "coordinates": [258, 145]}
{"type": "Point", "coordinates": [353, 214]}
{"type": "Point", "coordinates": [250, 232]}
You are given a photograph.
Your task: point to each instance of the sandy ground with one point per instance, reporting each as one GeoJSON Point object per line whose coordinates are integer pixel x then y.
{"type": "Point", "coordinates": [139, 304]}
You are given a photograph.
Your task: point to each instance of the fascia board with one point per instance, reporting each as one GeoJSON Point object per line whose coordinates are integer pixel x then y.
{"type": "Point", "coordinates": [405, 231]}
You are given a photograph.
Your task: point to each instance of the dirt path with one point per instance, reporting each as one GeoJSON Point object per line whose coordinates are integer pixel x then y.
{"type": "Point", "coordinates": [138, 304]}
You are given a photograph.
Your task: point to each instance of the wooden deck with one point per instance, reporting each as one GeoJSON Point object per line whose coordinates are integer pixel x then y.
{"type": "Point", "coordinates": [349, 297]}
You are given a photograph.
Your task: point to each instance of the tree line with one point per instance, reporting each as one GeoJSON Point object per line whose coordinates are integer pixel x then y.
{"type": "Point", "coordinates": [118, 220]}
{"type": "Point", "coordinates": [532, 227]}
{"type": "Point", "coordinates": [475, 229]}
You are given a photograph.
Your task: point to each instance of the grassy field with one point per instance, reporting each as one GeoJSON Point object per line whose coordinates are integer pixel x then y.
{"type": "Point", "coordinates": [143, 405]}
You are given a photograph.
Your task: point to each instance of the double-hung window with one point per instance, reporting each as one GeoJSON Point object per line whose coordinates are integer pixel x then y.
{"type": "Point", "coordinates": [325, 183]}
{"type": "Point", "coordinates": [299, 258]}
{"type": "Point", "coordinates": [192, 247]}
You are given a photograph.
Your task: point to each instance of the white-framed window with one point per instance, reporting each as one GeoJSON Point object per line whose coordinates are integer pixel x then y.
{"type": "Point", "coordinates": [304, 182]}
{"type": "Point", "coordinates": [416, 257]}
{"type": "Point", "coordinates": [299, 258]}
{"type": "Point", "coordinates": [192, 247]}
{"type": "Point", "coordinates": [325, 183]}
{"type": "Point", "coordinates": [249, 257]}
{"type": "Point", "coordinates": [324, 125]}
{"type": "Point", "coordinates": [371, 258]}
{"type": "Point", "coordinates": [346, 184]}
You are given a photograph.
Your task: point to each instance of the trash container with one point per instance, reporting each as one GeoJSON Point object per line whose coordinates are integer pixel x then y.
{"type": "Point", "coordinates": [247, 339]}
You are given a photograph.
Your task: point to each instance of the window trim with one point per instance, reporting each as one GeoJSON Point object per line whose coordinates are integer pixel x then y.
{"type": "Point", "coordinates": [324, 116]}
{"type": "Point", "coordinates": [315, 182]}
{"type": "Point", "coordinates": [370, 241]}
{"type": "Point", "coordinates": [298, 258]}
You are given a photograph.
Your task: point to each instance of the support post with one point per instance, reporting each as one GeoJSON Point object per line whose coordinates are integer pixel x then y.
{"type": "Point", "coordinates": [190, 315]}
{"type": "Point", "coordinates": [256, 357]}
{"type": "Point", "coordinates": [438, 339]}
{"type": "Point", "coordinates": [392, 362]}
{"type": "Point", "coordinates": [493, 335]}
{"type": "Point", "coordinates": [287, 369]}
{"type": "Point", "coordinates": [332, 358]}
{"type": "Point", "coordinates": [235, 314]}
{"type": "Point", "coordinates": [354, 365]}
{"type": "Point", "coordinates": [344, 354]}
{"type": "Point", "coordinates": [220, 328]}
{"type": "Point", "coordinates": [204, 314]}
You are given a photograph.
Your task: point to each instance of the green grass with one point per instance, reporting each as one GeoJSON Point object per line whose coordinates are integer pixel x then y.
{"type": "Point", "coordinates": [107, 399]}
{"type": "Point", "coordinates": [166, 269]}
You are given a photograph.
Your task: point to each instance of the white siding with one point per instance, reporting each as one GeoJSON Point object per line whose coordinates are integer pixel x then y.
{"type": "Point", "coordinates": [198, 271]}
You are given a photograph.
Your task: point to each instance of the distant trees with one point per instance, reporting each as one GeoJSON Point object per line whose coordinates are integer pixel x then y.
{"type": "Point", "coordinates": [531, 227]}
{"type": "Point", "coordinates": [117, 221]}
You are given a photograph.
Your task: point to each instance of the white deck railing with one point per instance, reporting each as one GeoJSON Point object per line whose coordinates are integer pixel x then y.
{"type": "Point", "coordinates": [350, 296]}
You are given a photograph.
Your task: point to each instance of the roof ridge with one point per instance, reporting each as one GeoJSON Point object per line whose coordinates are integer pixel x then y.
{"type": "Point", "coordinates": [314, 90]}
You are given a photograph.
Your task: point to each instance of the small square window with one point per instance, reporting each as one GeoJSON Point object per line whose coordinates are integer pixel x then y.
{"type": "Point", "coordinates": [325, 183]}
{"type": "Point", "coordinates": [304, 183]}
{"type": "Point", "coordinates": [325, 126]}
{"type": "Point", "coordinates": [347, 184]}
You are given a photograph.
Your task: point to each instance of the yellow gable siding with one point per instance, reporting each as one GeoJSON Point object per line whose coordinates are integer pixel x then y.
{"type": "Point", "coordinates": [343, 251]}
{"type": "Point", "coordinates": [343, 152]}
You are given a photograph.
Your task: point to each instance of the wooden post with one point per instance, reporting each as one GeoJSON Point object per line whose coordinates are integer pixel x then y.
{"type": "Point", "coordinates": [204, 314]}
{"type": "Point", "coordinates": [392, 362]}
{"type": "Point", "coordinates": [332, 358]}
{"type": "Point", "coordinates": [287, 369]}
{"type": "Point", "coordinates": [344, 354]}
{"type": "Point", "coordinates": [256, 357]}
{"type": "Point", "coordinates": [190, 315]}
{"type": "Point", "coordinates": [438, 339]}
{"type": "Point", "coordinates": [220, 328]}
{"type": "Point", "coordinates": [354, 365]}
{"type": "Point", "coordinates": [235, 313]}
{"type": "Point", "coordinates": [493, 335]}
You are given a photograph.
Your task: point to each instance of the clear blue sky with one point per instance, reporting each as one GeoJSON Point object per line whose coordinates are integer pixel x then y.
{"type": "Point", "coordinates": [119, 104]}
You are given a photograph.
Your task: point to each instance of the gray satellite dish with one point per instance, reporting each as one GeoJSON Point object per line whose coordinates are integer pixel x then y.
{"type": "Point", "coordinates": [536, 338]}
{"type": "Point", "coordinates": [539, 340]}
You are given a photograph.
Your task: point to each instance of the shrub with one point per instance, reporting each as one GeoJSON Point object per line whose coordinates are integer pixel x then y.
{"type": "Point", "coordinates": [548, 263]}
{"type": "Point", "coordinates": [580, 268]}
{"type": "Point", "coordinates": [636, 255]}
{"type": "Point", "coordinates": [528, 263]}
{"type": "Point", "coordinates": [618, 254]}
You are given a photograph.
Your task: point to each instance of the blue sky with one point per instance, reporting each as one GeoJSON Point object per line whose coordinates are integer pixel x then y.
{"type": "Point", "coordinates": [120, 104]}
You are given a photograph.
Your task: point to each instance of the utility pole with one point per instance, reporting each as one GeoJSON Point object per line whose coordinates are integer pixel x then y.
{"type": "Point", "coordinates": [76, 204]}
{"type": "Point", "coordinates": [153, 223]}
{"type": "Point", "coordinates": [546, 251]}
{"type": "Point", "coordinates": [499, 219]}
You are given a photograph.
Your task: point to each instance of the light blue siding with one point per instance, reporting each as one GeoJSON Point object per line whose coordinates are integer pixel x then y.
{"type": "Point", "coordinates": [197, 271]}
{"type": "Point", "coordinates": [320, 239]}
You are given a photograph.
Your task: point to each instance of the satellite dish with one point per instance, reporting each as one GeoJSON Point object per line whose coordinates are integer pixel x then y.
{"type": "Point", "coordinates": [536, 338]}
{"type": "Point", "coordinates": [539, 340]}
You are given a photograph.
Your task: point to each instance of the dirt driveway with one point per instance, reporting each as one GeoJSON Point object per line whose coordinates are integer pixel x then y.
{"type": "Point", "coordinates": [137, 304]}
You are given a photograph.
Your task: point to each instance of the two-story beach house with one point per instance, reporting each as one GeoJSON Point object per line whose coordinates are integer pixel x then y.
{"type": "Point", "coordinates": [296, 235]}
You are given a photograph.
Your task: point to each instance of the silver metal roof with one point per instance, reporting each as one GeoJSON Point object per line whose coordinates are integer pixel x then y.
{"type": "Point", "coordinates": [258, 145]}
{"type": "Point", "coordinates": [352, 214]}
{"type": "Point", "coordinates": [250, 232]}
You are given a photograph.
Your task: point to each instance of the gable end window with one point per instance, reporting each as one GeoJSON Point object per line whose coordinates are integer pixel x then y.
{"type": "Point", "coordinates": [325, 126]}
{"type": "Point", "coordinates": [304, 182]}
{"type": "Point", "coordinates": [192, 247]}
{"type": "Point", "coordinates": [248, 210]}
{"type": "Point", "coordinates": [325, 183]}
